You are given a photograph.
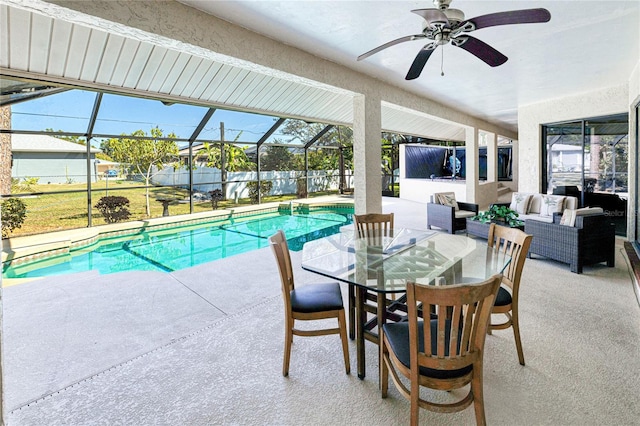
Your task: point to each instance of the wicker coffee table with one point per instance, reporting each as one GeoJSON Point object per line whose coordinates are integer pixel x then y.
{"type": "Point", "coordinates": [481, 230]}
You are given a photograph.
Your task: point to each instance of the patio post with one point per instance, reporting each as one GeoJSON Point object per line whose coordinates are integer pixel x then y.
{"type": "Point", "coordinates": [367, 152]}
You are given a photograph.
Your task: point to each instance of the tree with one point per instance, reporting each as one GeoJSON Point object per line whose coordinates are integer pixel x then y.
{"type": "Point", "coordinates": [277, 158]}
{"type": "Point", "coordinates": [236, 159]}
{"type": "Point", "coordinates": [230, 158]}
{"type": "Point", "coordinates": [74, 139]}
{"type": "Point", "coordinates": [143, 155]}
{"type": "Point", "coordinates": [319, 159]}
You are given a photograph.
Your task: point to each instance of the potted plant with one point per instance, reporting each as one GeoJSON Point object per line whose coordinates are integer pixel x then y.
{"type": "Point", "coordinates": [497, 214]}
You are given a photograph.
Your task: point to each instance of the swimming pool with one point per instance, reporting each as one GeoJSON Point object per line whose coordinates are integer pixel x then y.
{"type": "Point", "coordinates": [171, 249]}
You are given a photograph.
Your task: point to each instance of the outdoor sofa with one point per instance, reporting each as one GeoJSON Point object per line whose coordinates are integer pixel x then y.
{"type": "Point", "coordinates": [588, 240]}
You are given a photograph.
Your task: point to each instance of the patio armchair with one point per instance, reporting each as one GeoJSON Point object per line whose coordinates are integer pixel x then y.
{"type": "Point", "coordinates": [444, 212]}
{"type": "Point", "coordinates": [590, 240]}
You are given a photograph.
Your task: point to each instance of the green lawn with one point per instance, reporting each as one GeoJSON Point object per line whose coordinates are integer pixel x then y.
{"type": "Point", "coordinates": [53, 212]}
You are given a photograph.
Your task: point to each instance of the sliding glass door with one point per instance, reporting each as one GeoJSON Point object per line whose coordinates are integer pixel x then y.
{"type": "Point", "coordinates": [589, 159]}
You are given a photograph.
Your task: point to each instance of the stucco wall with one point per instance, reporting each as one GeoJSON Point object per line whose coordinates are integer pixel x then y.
{"type": "Point", "coordinates": [612, 100]}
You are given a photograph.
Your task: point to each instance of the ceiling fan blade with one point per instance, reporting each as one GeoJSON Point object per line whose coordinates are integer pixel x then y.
{"type": "Point", "coordinates": [389, 44]}
{"type": "Point", "coordinates": [420, 61]}
{"type": "Point", "coordinates": [480, 49]}
{"type": "Point", "coordinates": [433, 16]}
{"type": "Point", "coordinates": [524, 16]}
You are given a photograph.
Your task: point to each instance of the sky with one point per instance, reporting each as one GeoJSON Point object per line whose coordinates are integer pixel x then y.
{"type": "Point", "coordinates": [70, 112]}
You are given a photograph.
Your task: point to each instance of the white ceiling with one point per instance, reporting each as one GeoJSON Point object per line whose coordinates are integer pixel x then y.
{"type": "Point", "coordinates": [587, 45]}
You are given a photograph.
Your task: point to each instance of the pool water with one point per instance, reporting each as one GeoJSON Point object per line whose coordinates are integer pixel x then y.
{"type": "Point", "coordinates": [178, 248]}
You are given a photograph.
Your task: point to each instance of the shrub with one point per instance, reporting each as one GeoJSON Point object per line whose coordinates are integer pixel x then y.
{"type": "Point", "coordinates": [113, 208]}
{"type": "Point", "coordinates": [28, 183]}
{"type": "Point", "coordinates": [216, 195]}
{"type": "Point", "coordinates": [265, 188]}
{"type": "Point", "coordinates": [13, 212]}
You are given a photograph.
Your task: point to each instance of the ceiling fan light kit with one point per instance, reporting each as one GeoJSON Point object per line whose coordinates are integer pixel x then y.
{"type": "Point", "coordinates": [443, 25]}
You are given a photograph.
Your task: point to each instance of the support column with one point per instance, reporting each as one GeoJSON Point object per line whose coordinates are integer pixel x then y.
{"type": "Point", "coordinates": [492, 157]}
{"type": "Point", "coordinates": [472, 172]}
{"type": "Point", "coordinates": [367, 154]}
{"type": "Point", "coordinates": [515, 164]}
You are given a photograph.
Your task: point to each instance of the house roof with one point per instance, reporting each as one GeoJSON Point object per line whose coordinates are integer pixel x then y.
{"type": "Point", "coordinates": [45, 143]}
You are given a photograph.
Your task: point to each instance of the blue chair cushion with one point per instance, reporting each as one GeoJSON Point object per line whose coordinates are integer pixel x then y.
{"type": "Point", "coordinates": [503, 298]}
{"type": "Point", "coordinates": [398, 337]}
{"type": "Point", "coordinates": [316, 298]}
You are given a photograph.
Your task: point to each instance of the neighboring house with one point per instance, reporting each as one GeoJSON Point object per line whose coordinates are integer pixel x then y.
{"type": "Point", "coordinates": [104, 168]}
{"type": "Point", "coordinates": [49, 159]}
{"type": "Point", "coordinates": [198, 160]}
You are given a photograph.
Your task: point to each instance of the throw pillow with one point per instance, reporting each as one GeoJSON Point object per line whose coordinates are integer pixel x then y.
{"type": "Point", "coordinates": [568, 217]}
{"type": "Point", "coordinates": [520, 202]}
{"type": "Point", "coordinates": [448, 199]}
{"type": "Point", "coordinates": [551, 204]}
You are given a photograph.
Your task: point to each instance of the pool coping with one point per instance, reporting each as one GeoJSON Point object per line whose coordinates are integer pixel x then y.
{"type": "Point", "coordinates": [41, 246]}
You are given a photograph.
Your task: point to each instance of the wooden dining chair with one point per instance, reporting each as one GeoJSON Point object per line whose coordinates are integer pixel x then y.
{"type": "Point", "coordinates": [374, 227]}
{"type": "Point", "coordinates": [443, 353]}
{"type": "Point", "coordinates": [514, 243]}
{"type": "Point", "coordinates": [307, 303]}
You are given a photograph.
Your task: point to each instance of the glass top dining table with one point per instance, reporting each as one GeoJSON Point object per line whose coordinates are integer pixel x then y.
{"type": "Point", "coordinates": [383, 264]}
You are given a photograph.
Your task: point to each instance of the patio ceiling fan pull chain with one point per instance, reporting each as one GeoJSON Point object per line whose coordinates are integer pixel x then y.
{"type": "Point", "coordinates": [442, 61]}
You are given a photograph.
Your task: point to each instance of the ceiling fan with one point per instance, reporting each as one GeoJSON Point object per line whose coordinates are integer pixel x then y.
{"type": "Point", "coordinates": [444, 25]}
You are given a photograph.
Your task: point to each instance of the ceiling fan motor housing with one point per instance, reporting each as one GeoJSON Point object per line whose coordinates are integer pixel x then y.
{"type": "Point", "coordinates": [455, 16]}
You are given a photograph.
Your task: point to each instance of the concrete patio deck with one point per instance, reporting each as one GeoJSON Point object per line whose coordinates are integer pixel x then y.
{"type": "Point", "coordinates": [203, 345]}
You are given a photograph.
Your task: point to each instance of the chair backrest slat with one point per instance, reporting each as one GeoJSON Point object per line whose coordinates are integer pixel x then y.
{"type": "Point", "coordinates": [515, 243]}
{"type": "Point", "coordinates": [280, 249]}
{"type": "Point", "coordinates": [463, 312]}
{"type": "Point", "coordinates": [373, 226]}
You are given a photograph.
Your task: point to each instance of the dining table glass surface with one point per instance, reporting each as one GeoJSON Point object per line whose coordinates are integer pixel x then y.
{"type": "Point", "coordinates": [385, 263]}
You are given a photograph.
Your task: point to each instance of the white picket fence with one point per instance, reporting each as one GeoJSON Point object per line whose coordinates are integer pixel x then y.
{"type": "Point", "coordinates": [284, 182]}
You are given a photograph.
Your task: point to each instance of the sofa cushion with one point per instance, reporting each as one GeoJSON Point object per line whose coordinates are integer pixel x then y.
{"type": "Point", "coordinates": [535, 204]}
{"type": "Point", "coordinates": [551, 204]}
{"type": "Point", "coordinates": [569, 215]}
{"type": "Point", "coordinates": [461, 214]}
{"type": "Point", "coordinates": [520, 202]}
{"type": "Point", "coordinates": [535, 216]}
{"type": "Point", "coordinates": [448, 199]}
